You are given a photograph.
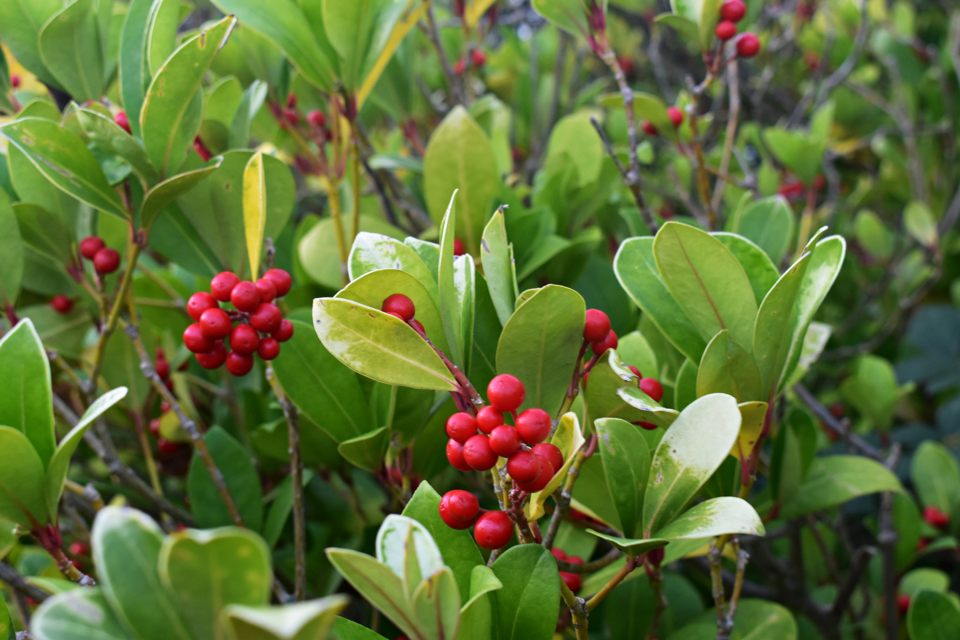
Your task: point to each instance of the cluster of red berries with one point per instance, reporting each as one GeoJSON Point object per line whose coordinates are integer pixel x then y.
{"type": "Point", "coordinates": [460, 510]}
{"type": "Point", "coordinates": [675, 115]}
{"type": "Point", "coordinates": [732, 12]}
{"type": "Point", "coordinates": [477, 58]}
{"type": "Point", "coordinates": [256, 325]}
{"type": "Point", "coordinates": [574, 580]}
{"type": "Point", "coordinates": [934, 517]}
{"type": "Point", "coordinates": [105, 260]}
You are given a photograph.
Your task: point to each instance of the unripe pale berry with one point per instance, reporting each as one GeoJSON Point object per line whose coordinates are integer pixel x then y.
{"type": "Point", "coordinates": [285, 332]}
{"type": "Point", "coordinates": [200, 302]}
{"type": "Point", "coordinates": [239, 364]}
{"type": "Point", "coordinates": [106, 261]}
{"type": "Point", "coordinates": [489, 419]}
{"type": "Point", "coordinates": [733, 10]}
{"type": "Point", "coordinates": [675, 115]}
{"type": "Point", "coordinates": [524, 466]}
{"type": "Point", "coordinates": [455, 456]}
{"type": "Point", "coordinates": [652, 388]}
{"type": "Point", "coordinates": [215, 324]}
{"type": "Point", "coordinates": [505, 441]}
{"type": "Point", "coordinates": [244, 339]}
{"type": "Point", "coordinates": [610, 342]}
{"type": "Point", "coordinates": [461, 427]}
{"type": "Point", "coordinates": [459, 509]}
{"type": "Point", "coordinates": [222, 285]}
{"type": "Point", "coordinates": [61, 304]}
{"type": "Point", "coordinates": [245, 296]}
{"type": "Point", "coordinates": [195, 340]}
{"type": "Point", "coordinates": [269, 348]}
{"type": "Point", "coordinates": [597, 325]}
{"type": "Point", "coordinates": [401, 305]}
{"type": "Point", "coordinates": [493, 530]}
{"type": "Point", "coordinates": [506, 393]}
{"type": "Point", "coordinates": [266, 318]}
{"type": "Point", "coordinates": [748, 45]}
{"type": "Point", "coordinates": [533, 425]}
{"type": "Point", "coordinates": [90, 246]}
{"type": "Point", "coordinates": [550, 453]}
{"type": "Point", "coordinates": [281, 279]}
{"type": "Point", "coordinates": [478, 454]}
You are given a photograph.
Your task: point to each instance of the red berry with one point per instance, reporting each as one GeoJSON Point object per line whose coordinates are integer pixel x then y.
{"type": "Point", "coordinates": [748, 45]}
{"type": "Point", "coordinates": [478, 454]}
{"type": "Point", "coordinates": [675, 115]}
{"type": "Point", "coordinates": [79, 549]}
{"type": "Point", "coordinates": [478, 57]}
{"type": "Point", "coordinates": [597, 325]}
{"type": "Point", "coordinates": [165, 446]}
{"type": "Point", "coordinates": [122, 121]}
{"type": "Point", "coordinates": [106, 261]}
{"type": "Point", "coordinates": [733, 10]}
{"type": "Point", "coordinates": [726, 30]}
{"type": "Point", "coordinates": [285, 332]}
{"type": "Point", "coordinates": [506, 393]}
{"type": "Point", "coordinates": [635, 371]}
{"type": "Point", "coordinates": [455, 456]}
{"type": "Point", "coordinates": [155, 427]}
{"type": "Point", "coordinates": [269, 349]}
{"type": "Point", "coordinates": [459, 509]}
{"type": "Point", "coordinates": [244, 339]}
{"type": "Point", "coordinates": [493, 530]}
{"type": "Point", "coordinates": [626, 64]}
{"type": "Point", "coordinates": [201, 149]}
{"type": "Point", "coordinates": [461, 427]}
{"type": "Point", "coordinates": [195, 340]}
{"type": "Point", "coordinates": [652, 388]}
{"type": "Point", "coordinates": [573, 580]}
{"type": "Point", "coordinates": [214, 358]}
{"type": "Point", "coordinates": [549, 452]}
{"type": "Point", "coordinates": [215, 324]}
{"type": "Point", "coordinates": [316, 118]}
{"type": "Point", "coordinates": [458, 247]}
{"type": "Point", "coordinates": [399, 305]}
{"type": "Point", "coordinates": [239, 364]}
{"type": "Point", "coordinates": [922, 544]}
{"type": "Point", "coordinates": [488, 419]}
{"type": "Point", "coordinates": [222, 285]}
{"type": "Point", "coordinates": [291, 101]}
{"type": "Point", "coordinates": [267, 318]}
{"type": "Point", "coordinates": [505, 441]}
{"type": "Point", "coordinates": [61, 303]}
{"type": "Point", "coordinates": [649, 426]}
{"type": "Point", "coordinates": [546, 475]}
{"type": "Point", "coordinates": [15, 80]}
{"type": "Point", "coordinates": [935, 517]}
{"type": "Point", "coordinates": [903, 603]}
{"type": "Point", "coordinates": [162, 368]}
{"type": "Point", "coordinates": [460, 67]}
{"type": "Point", "coordinates": [533, 425]}
{"type": "Point", "coordinates": [291, 116]}
{"type": "Point", "coordinates": [559, 553]}
{"type": "Point", "coordinates": [90, 246]}
{"type": "Point", "coordinates": [524, 466]}
{"type": "Point", "coordinates": [267, 289]}
{"type": "Point", "coordinates": [170, 386]}
{"type": "Point", "coordinates": [281, 279]}
{"type": "Point", "coordinates": [649, 129]}
{"type": "Point", "coordinates": [200, 302]}
{"type": "Point", "coordinates": [245, 296]}
{"type": "Point", "coordinates": [610, 342]}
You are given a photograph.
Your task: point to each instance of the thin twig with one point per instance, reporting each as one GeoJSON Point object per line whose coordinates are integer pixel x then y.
{"type": "Point", "coordinates": [630, 179]}
{"type": "Point", "coordinates": [13, 578]}
{"type": "Point", "coordinates": [453, 87]}
{"type": "Point", "coordinates": [731, 135]}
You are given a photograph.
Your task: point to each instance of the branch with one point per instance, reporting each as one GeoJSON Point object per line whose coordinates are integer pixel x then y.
{"type": "Point", "coordinates": [13, 578]}
{"type": "Point", "coordinates": [841, 428]}
{"type": "Point", "coordinates": [734, 82]}
{"type": "Point", "coordinates": [631, 179]}
{"type": "Point", "coordinates": [566, 494]}
{"type": "Point", "coordinates": [453, 87]}
{"type": "Point", "coordinates": [836, 78]}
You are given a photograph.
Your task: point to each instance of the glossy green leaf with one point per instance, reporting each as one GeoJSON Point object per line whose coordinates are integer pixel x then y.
{"type": "Point", "coordinates": [707, 24]}
{"type": "Point", "coordinates": [281, 507]}
{"type": "Point", "coordinates": [11, 253]}
{"type": "Point", "coordinates": [685, 386]}
{"type": "Point", "coordinates": [320, 257]}
{"type": "Point", "coordinates": [373, 251]}
{"type": "Point", "coordinates": [33, 187]}
{"type": "Point", "coordinates": [626, 465]}
{"type": "Point", "coordinates": [760, 270]}
{"type": "Point", "coordinates": [726, 367]}
{"type": "Point", "coordinates": [916, 580]}
{"type": "Point", "coordinates": [9, 537]}
{"type": "Point", "coordinates": [833, 480]}
{"type": "Point", "coordinates": [350, 27]}
{"type": "Point", "coordinates": [450, 310]}
{"type": "Point", "coordinates": [759, 619]}
{"type": "Point", "coordinates": [109, 137]}
{"type": "Point", "coordinates": [44, 232]}
{"type": "Point", "coordinates": [873, 390]}
{"type": "Point", "coordinates": [134, 71]}
{"type": "Point", "coordinates": [366, 451]}
{"type": "Point", "coordinates": [22, 498]}
{"type": "Point", "coordinates": [70, 49]}
{"type": "Point", "coordinates": [345, 629]}
{"type": "Point", "coordinates": [20, 25]}
{"type": "Point", "coordinates": [527, 602]}
{"type": "Point", "coordinates": [80, 614]}
{"type": "Point", "coordinates": [496, 255]}
{"type": "Point", "coordinates": [568, 15]}
{"type": "Point", "coordinates": [161, 32]}
{"type": "Point", "coordinates": [436, 604]}
{"type": "Point", "coordinates": [873, 235]}
{"type": "Point", "coordinates": [933, 616]}
{"type": "Point", "coordinates": [687, 28]}
{"type": "Point", "coordinates": [935, 475]}
{"type": "Point", "coordinates": [241, 479]}
{"type": "Point", "coordinates": [476, 615]}
{"type": "Point", "coordinates": [797, 150]}
{"type": "Point", "coordinates": [394, 22]}
{"type": "Point", "coordinates": [407, 548]}
{"type": "Point", "coordinates": [250, 105]}
{"type": "Point", "coordinates": [768, 223]}
{"type": "Point", "coordinates": [159, 197]}
{"type": "Point", "coordinates": [6, 624]}
{"type": "Point", "coordinates": [607, 376]}
{"type": "Point", "coordinates": [650, 411]}
{"type": "Point", "coordinates": [920, 224]}
{"type": "Point", "coordinates": [714, 517]}
{"type": "Point", "coordinates": [311, 620]}
{"type": "Point", "coordinates": [25, 396]}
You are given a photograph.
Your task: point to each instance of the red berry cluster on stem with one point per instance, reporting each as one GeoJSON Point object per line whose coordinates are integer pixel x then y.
{"type": "Point", "coordinates": [573, 580]}
{"type": "Point", "coordinates": [105, 260]}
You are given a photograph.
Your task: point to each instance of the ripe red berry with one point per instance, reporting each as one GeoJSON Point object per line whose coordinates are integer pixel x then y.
{"type": "Point", "coordinates": [79, 549]}
{"type": "Point", "coordinates": [546, 475]}
{"type": "Point", "coordinates": [461, 426]}
{"type": "Point", "coordinates": [610, 342]}
{"type": "Point", "coordinates": [61, 303]}
{"type": "Point", "coordinates": [15, 80]}
{"type": "Point", "coordinates": [316, 118]}
{"type": "Point", "coordinates": [626, 63]}
{"type": "Point", "coordinates": [726, 30]}
{"type": "Point", "coordinates": [649, 426]}
{"type": "Point", "coordinates": [267, 289]}
{"type": "Point", "coordinates": [733, 10]}
{"type": "Point", "coordinates": [478, 57]}
{"type": "Point", "coordinates": [106, 261]}
{"type": "Point", "coordinates": [573, 580]}
{"type": "Point", "coordinates": [458, 247]}
{"type": "Point", "coordinates": [244, 339]}
{"type": "Point", "coordinates": [549, 452]}
{"type": "Point", "coordinates": [222, 285]}
{"type": "Point", "coordinates": [524, 467]}
{"type": "Point", "coordinates": [155, 427]}
{"type": "Point", "coordinates": [165, 446]}
{"type": "Point", "coordinates": [214, 358]}
{"type": "Point", "coordinates": [597, 325]}
{"type": "Point", "coordinates": [239, 364]}
{"type": "Point", "coordinates": [652, 388]}
{"type": "Point", "coordinates": [459, 509]}
{"type": "Point", "coordinates": [455, 456]}
{"type": "Point", "coordinates": [195, 340]}
{"type": "Point", "coordinates": [291, 116]}
{"type": "Point", "coordinates": [493, 530]}
{"type": "Point", "coordinates": [281, 279]}
{"type": "Point", "coordinates": [245, 296]}
{"type": "Point", "coordinates": [122, 121]}
{"type": "Point", "coordinates": [506, 393]}
{"type": "Point", "coordinates": [488, 419]}
{"type": "Point", "coordinates": [935, 517]}
{"type": "Point", "coordinates": [635, 371]}
{"type": "Point", "coordinates": [460, 67]}
{"type": "Point", "coordinates": [922, 544]}
{"type": "Point", "coordinates": [200, 302]}
{"type": "Point", "coordinates": [162, 368]}
{"type": "Point", "coordinates": [267, 318]}
{"type": "Point", "coordinates": [559, 553]}
{"type": "Point", "coordinates": [90, 246]}
{"type": "Point", "coordinates": [291, 101]}
{"type": "Point", "coordinates": [533, 425]}
{"type": "Point", "coordinates": [201, 149]}
{"type": "Point", "coordinates": [675, 115]}
{"type": "Point", "coordinates": [649, 129]}
{"type": "Point", "coordinates": [285, 332]}
{"type": "Point", "coordinates": [215, 324]}
{"type": "Point", "coordinates": [400, 305]}
{"type": "Point", "coordinates": [748, 45]}
{"type": "Point", "coordinates": [478, 454]}
{"type": "Point", "coordinates": [903, 603]}
{"type": "Point", "coordinates": [269, 348]}
{"type": "Point", "coordinates": [505, 441]}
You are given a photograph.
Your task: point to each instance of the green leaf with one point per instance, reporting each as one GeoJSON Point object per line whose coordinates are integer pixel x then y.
{"type": "Point", "coordinates": [134, 70]}
{"type": "Point", "coordinates": [22, 498]}
{"type": "Point", "coordinates": [350, 27]}
{"type": "Point", "coordinates": [834, 480]}
{"type": "Point", "coordinates": [459, 158]}
{"type": "Point", "coordinates": [20, 25]}
{"type": "Point", "coordinates": [436, 604]}
{"type": "Point", "coordinates": [626, 465]}
{"type": "Point", "coordinates": [759, 619]}
{"type": "Point", "coordinates": [373, 251]}
{"type": "Point", "coordinates": [935, 475]}
{"type": "Point", "coordinates": [26, 402]}
{"type": "Point", "coordinates": [450, 310]}
{"type": "Point", "coordinates": [726, 367]}
{"type": "Point", "coordinates": [496, 255]}
{"type": "Point", "coordinates": [692, 449]}
{"type": "Point", "coordinates": [714, 517]}
{"type": "Point", "coordinates": [918, 580]}
{"type": "Point", "coordinates": [568, 15]}
{"type": "Point", "coordinates": [173, 106]}
{"type": "Point", "coordinates": [873, 235]}
{"type": "Point", "coordinates": [60, 462]}
{"type": "Point", "coordinates": [920, 224]}
{"type": "Point", "coordinates": [799, 151]}
{"type": "Point", "coordinates": [527, 602]}
{"type": "Point", "coordinates": [760, 270]}
{"type": "Point", "coordinates": [11, 253]}
{"type": "Point", "coordinates": [241, 479]}
{"type": "Point", "coordinates": [366, 451]}
{"type": "Point", "coordinates": [768, 223]}
{"type": "Point", "coordinates": [6, 624]}
{"type": "Point", "coordinates": [393, 24]}
{"type": "Point", "coordinates": [79, 614]}
{"type": "Point", "coordinates": [607, 376]}
{"type": "Point", "coordinates": [344, 629]}
{"type": "Point", "coordinates": [320, 258]}
{"type": "Point", "coordinates": [71, 49]}
{"type": "Point", "coordinates": [250, 105]}
{"type": "Point", "coordinates": [44, 232]}
{"type": "Point", "coordinates": [161, 40]}
{"type": "Point", "coordinates": [281, 507]}
{"type": "Point", "coordinates": [159, 197]}
{"type": "Point", "coordinates": [650, 411]}
{"type": "Point", "coordinates": [873, 390]}
{"type": "Point", "coordinates": [685, 388]}
{"type": "Point", "coordinates": [126, 547]}
{"type": "Point", "coordinates": [407, 548]}
{"type": "Point", "coordinates": [207, 571]}
{"type": "Point", "coordinates": [110, 138]}
{"type": "Point", "coordinates": [933, 616]}
{"type": "Point", "coordinates": [476, 616]}
{"type": "Point", "coordinates": [254, 208]}
{"type": "Point", "coordinates": [309, 620]}
{"type": "Point", "coordinates": [689, 29]}
{"type": "Point", "coordinates": [65, 161]}
{"type": "Point", "coordinates": [707, 25]}
{"type": "Point", "coordinates": [539, 344]}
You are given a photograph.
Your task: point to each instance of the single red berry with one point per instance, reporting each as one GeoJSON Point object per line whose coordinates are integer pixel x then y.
{"type": "Point", "coordinates": [195, 340]}
{"type": "Point", "coordinates": [649, 129]}
{"type": "Point", "coordinates": [549, 452]}
{"type": "Point", "coordinates": [610, 342]}
{"type": "Point", "coordinates": [316, 118]}
{"type": "Point", "coordinates": [170, 386]}
{"type": "Point", "coordinates": [200, 302]}
{"type": "Point", "coordinates": [201, 149]}
{"type": "Point", "coordinates": [459, 509]}
{"type": "Point", "coordinates": [488, 419]}
{"type": "Point", "coordinates": [291, 116]}
{"type": "Point", "coordinates": [239, 364]}
{"type": "Point", "coordinates": [291, 101]}
{"type": "Point", "coordinates": [269, 349]}
{"type": "Point", "coordinates": [461, 426]}
{"type": "Point", "coordinates": [935, 517]}
{"type": "Point", "coordinates": [61, 303]}
{"type": "Point", "coordinates": [163, 368]}
{"type": "Point", "coordinates": [122, 121]}
{"type": "Point", "coordinates": [222, 285]}
{"type": "Point", "coordinates": [214, 358]}
{"type": "Point", "coordinates": [460, 67]}
{"type": "Point", "coordinates": [533, 425]}
{"type": "Point", "coordinates": [524, 466]}
{"type": "Point", "coordinates": [546, 475]}
{"type": "Point", "coordinates": [401, 305]}
{"type": "Point", "coordinates": [478, 57]}
{"type": "Point", "coordinates": [106, 261]}
{"type": "Point", "coordinates": [458, 247]}
{"type": "Point", "coordinates": [155, 427]}
{"type": "Point", "coordinates": [165, 446]}
{"type": "Point", "coordinates": [635, 371]}
{"type": "Point", "coordinates": [328, 135]}
{"type": "Point", "coordinates": [922, 544]}
{"type": "Point", "coordinates": [726, 30]}
{"type": "Point", "coordinates": [267, 289]}
{"type": "Point", "coordinates": [267, 318]}
{"type": "Point", "coordinates": [573, 580]}
{"type": "Point", "coordinates": [244, 339]}
{"type": "Point", "coordinates": [675, 115]}
{"type": "Point", "coordinates": [652, 388]}
{"type": "Point", "coordinates": [733, 10]}
{"type": "Point", "coordinates": [748, 45]}
{"type": "Point", "coordinates": [506, 393]}
{"type": "Point", "coordinates": [505, 441]}
{"type": "Point", "coordinates": [626, 63]}
{"type": "Point", "coordinates": [493, 530]}
{"type": "Point", "coordinates": [79, 549]}
{"type": "Point", "coordinates": [215, 324]}
{"type": "Point", "coordinates": [15, 80]}
{"type": "Point", "coordinates": [90, 246]}
{"type": "Point", "coordinates": [597, 325]}
{"type": "Point", "coordinates": [903, 603]}
{"type": "Point", "coordinates": [478, 454]}
{"type": "Point", "coordinates": [245, 296]}
{"type": "Point", "coordinates": [281, 279]}
{"type": "Point", "coordinates": [649, 426]}
{"type": "Point", "coordinates": [455, 456]}
{"type": "Point", "coordinates": [559, 553]}
{"type": "Point", "coordinates": [285, 332]}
